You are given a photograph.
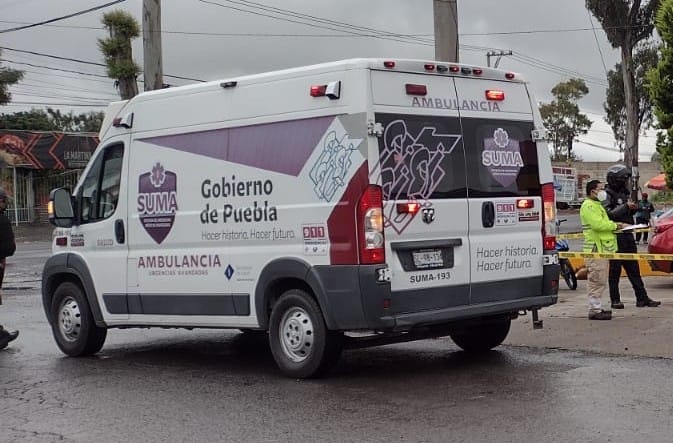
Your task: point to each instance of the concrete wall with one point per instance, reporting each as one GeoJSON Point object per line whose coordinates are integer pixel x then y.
{"type": "Point", "coordinates": [596, 170]}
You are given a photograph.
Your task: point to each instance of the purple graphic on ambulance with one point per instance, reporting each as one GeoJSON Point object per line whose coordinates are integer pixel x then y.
{"type": "Point", "coordinates": [157, 201]}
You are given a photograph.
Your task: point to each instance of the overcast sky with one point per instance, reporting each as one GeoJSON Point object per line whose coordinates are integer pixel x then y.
{"type": "Point", "coordinates": [551, 40]}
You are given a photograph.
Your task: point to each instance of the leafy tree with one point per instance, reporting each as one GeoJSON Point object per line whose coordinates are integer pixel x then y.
{"type": "Point", "coordinates": [33, 120]}
{"type": "Point", "coordinates": [118, 53]}
{"type": "Point", "coordinates": [626, 23]}
{"type": "Point", "coordinates": [52, 120]}
{"type": "Point", "coordinates": [562, 117]}
{"type": "Point", "coordinates": [86, 122]}
{"type": "Point", "coordinates": [661, 89]}
{"type": "Point", "coordinates": [8, 77]}
{"type": "Point", "coordinates": [645, 58]}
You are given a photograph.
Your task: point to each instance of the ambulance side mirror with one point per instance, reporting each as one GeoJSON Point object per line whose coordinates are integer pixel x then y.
{"type": "Point", "coordinates": [61, 213]}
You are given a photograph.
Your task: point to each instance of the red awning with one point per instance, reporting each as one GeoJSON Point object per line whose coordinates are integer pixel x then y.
{"type": "Point", "coordinates": [657, 182]}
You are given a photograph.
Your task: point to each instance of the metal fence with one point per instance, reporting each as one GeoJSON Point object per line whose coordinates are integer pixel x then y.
{"type": "Point", "coordinates": [29, 191]}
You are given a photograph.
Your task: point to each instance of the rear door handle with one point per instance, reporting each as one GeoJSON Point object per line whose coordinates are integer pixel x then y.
{"type": "Point", "coordinates": [120, 234]}
{"type": "Point", "coordinates": [487, 214]}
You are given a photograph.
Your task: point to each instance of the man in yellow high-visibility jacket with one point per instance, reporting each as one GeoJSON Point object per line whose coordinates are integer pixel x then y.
{"type": "Point", "coordinates": [599, 236]}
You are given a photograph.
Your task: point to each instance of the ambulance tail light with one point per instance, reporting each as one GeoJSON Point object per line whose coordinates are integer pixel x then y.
{"type": "Point", "coordinates": [525, 203]}
{"type": "Point", "coordinates": [331, 90]}
{"type": "Point", "coordinates": [495, 95]}
{"type": "Point", "coordinates": [408, 208]}
{"type": "Point", "coordinates": [548, 217]}
{"type": "Point", "coordinates": [318, 90]}
{"type": "Point", "coordinates": [416, 89]}
{"type": "Point", "coordinates": [371, 241]}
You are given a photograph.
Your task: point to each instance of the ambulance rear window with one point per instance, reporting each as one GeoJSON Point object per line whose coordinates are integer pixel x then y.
{"type": "Point", "coordinates": [421, 157]}
{"type": "Point", "coordinates": [501, 158]}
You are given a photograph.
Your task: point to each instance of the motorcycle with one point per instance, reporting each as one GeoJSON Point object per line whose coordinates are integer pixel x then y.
{"type": "Point", "coordinates": [567, 271]}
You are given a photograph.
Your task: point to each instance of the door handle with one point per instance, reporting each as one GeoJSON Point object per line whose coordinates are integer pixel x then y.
{"type": "Point", "coordinates": [120, 234]}
{"type": "Point", "coordinates": [487, 214]}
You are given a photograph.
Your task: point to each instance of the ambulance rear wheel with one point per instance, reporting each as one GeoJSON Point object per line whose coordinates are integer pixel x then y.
{"type": "Point", "coordinates": [300, 342]}
{"type": "Point", "coordinates": [481, 338]}
{"type": "Point", "coordinates": [72, 322]}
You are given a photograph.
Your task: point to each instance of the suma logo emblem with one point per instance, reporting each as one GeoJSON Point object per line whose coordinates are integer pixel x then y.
{"type": "Point", "coordinates": [428, 215]}
{"type": "Point", "coordinates": [157, 202]}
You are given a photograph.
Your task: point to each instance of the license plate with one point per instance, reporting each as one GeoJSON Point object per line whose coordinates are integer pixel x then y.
{"type": "Point", "coordinates": [431, 258]}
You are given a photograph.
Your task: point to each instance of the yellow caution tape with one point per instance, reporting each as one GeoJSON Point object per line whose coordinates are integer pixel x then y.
{"type": "Point", "coordinates": [571, 235]}
{"type": "Point", "coordinates": [615, 255]}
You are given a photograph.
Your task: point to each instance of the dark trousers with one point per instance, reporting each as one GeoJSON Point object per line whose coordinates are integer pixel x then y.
{"type": "Point", "coordinates": [625, 244]}
{"type": "Point", "coordinates": [644, 234]}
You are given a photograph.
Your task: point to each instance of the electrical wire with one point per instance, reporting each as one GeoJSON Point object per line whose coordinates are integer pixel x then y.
{"type": "Point", "coordinates": [20, 103]}
{"type": "Point", "coordinates": [75, 14]}
{"type": "Point", "coordinates": [52, 69]}
{"type": "Point", "coordinates": [600, 51]}
{"type": "Point", "coordinates": [86, 62]}
{"type": "Point", "coordinates": [61, 87]}
{"type": "Point", "coordinates": [461, 34]}
{"type": "Point", "coordinates": [60, 96]}
{"type": "Point", "coordinates": [326, 24]}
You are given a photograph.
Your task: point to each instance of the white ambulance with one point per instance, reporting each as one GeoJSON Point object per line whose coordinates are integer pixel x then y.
{"type": "Point", "coordinates": [340, 205]}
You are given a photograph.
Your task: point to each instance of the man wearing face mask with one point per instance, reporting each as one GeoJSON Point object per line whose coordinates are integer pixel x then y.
{"type": "Point", "coordinates": [599, 236]}
{"type": "Point", "coordinates": [621, 209]}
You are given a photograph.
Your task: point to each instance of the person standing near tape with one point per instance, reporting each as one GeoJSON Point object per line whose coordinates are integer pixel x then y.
{"type": "Point", "coordinates": [599, 236]}
{"type": "Point", "coordinates": [7, 248]}
{"type": "Point", "coordinates": [643, 216]}
{"type": "Point", "coordinates": [621, 209]}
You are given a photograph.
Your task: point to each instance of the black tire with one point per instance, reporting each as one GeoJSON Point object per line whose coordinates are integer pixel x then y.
{"type": "Point", "coordinates": [300, 342]}
{"type": "Point", "coordinates": [484, 337]}
{"type": "Point", "coordinates": [569, 274]}
{"type": "Point", "coordinates": [72, 323]}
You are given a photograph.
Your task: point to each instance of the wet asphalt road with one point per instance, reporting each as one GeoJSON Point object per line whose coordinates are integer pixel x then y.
{"type": "Point", "coordinates": [166, 385]}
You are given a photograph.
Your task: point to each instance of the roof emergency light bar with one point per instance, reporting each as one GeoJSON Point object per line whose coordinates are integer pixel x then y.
{"type": "Point", "coordinates": [443, 68]}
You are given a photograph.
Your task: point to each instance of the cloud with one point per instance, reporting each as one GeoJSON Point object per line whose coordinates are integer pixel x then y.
{"type": "Point", "coordinates": [483, 24]}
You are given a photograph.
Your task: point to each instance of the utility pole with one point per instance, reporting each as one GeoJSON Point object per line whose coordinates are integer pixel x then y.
{"type": "Point", "coordinates": [498, 54]}
{"type": "Point", "coordinates": [446, 30]}
{"type": "Point", "coordinates": [152, 64]}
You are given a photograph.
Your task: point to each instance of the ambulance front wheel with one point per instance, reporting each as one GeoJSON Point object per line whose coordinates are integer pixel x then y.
{"type": "Point", "coordinates": [72, 322]}
{"type": "Point", "coordinates": [481, 338]}
{"type": "Point", "coordinates": [300, 342]}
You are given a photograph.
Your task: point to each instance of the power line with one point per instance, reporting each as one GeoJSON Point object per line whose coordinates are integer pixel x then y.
{"type": "Point", "coordinates": [463, 34]}
{"type": "Point", "coordinates": [75, 14]}
{"type": "Point", "coordinates": [23, 51]}
{"type": "Point", "coordinates": [61, 87]}
{"type": "Point", "coordinates": [85, 62]}
{"type": "Point", "coordinates": [281, 11]}
{"type": "Point", "coordinates": [19, 103]}
{"type": "Point", "coordinates": [33, 94]}
{"type": "Point", "coordinates": [558, 70]}
{"type": "Point", "coordinates": [54, 69]}
{"type": "Point", "coordinates": [326, 24]}
{"type": "Point", "coordinates": [51, 75]}
{"type": "Point", "coordinates": [600, 51]}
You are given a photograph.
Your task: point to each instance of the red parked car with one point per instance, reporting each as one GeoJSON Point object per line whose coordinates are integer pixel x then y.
{"type": "Point", "coordinates": [662, 241]}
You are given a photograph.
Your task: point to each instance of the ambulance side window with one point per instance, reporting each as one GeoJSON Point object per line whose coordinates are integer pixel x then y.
{"type": "Point", "coordinates": [99, 194]}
